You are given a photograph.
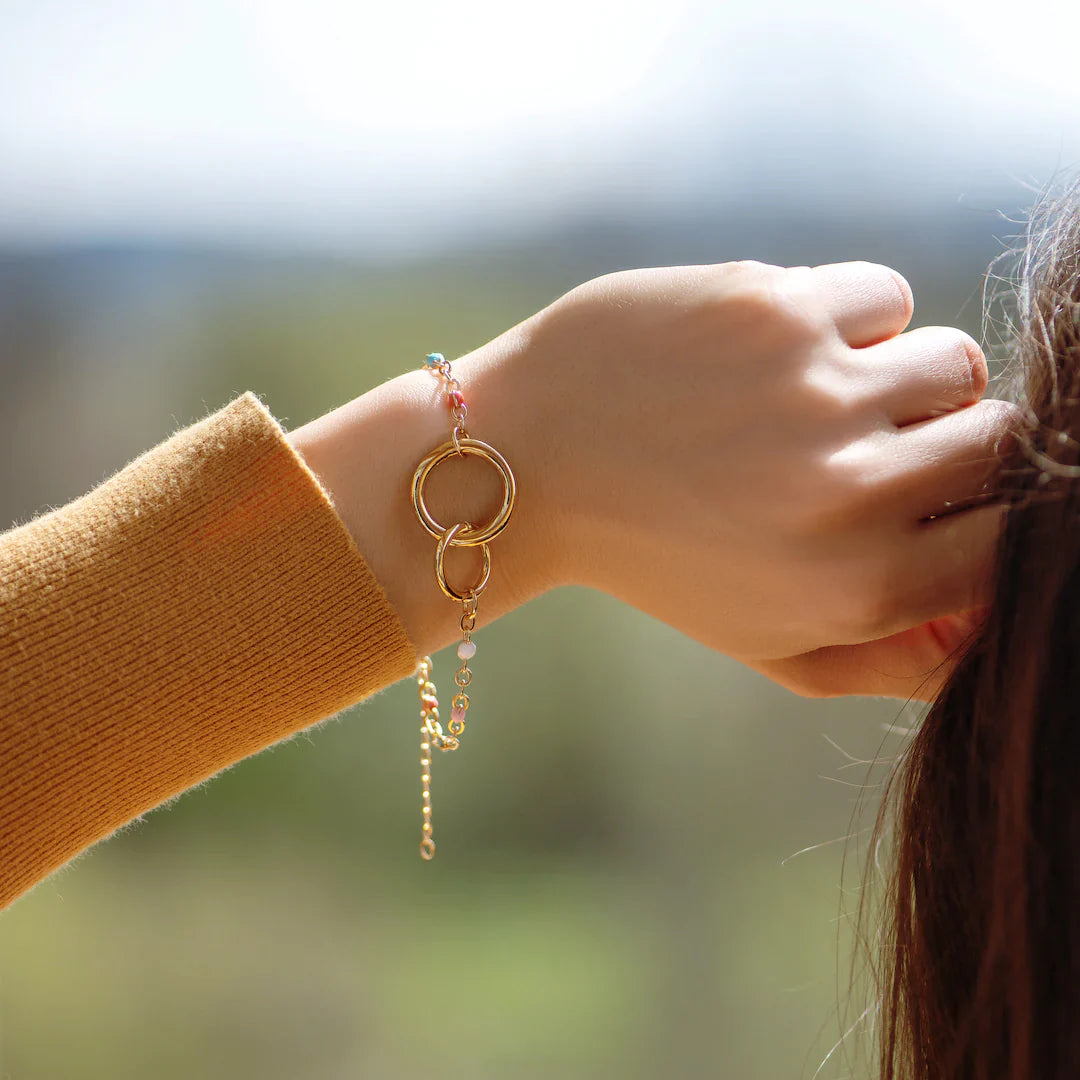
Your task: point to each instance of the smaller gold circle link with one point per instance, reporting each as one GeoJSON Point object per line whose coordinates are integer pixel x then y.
{"type": "Point", "coordinates": [427, 848]}
{"type": "Point", "coordinates": [446, 540]}
{"type": "Point", "coordinates": [476, 448]}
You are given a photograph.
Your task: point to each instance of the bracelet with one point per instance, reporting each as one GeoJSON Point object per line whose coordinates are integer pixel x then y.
{"type": "Point", "coordinates": [460, 534]}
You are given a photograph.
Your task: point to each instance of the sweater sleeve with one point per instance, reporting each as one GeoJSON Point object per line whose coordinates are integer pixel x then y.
{"type": "Point", "coordinates": [201, 604]}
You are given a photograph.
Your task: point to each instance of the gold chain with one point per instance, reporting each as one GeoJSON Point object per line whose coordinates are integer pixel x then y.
{"type": "Point", "coordinates": [460, 534]}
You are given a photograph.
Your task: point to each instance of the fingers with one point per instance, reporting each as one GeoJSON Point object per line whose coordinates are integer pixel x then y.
{"type": "Point", "coordinates": [912, 665]}
{"type": "Point", "coordinates": [944, 464]}
{"type": "Point", "coordinates": [947, 567]}
{"type": "Point", "coordinates": [924, 373]}
{"type": "Point", "coordinates": [867, 302]}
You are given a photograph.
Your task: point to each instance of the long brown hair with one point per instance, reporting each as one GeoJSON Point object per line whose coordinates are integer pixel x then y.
{"type": "Point", "coordinates": [981, 944]}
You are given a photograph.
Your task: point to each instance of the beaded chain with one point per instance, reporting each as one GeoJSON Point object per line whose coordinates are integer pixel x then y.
{"type": "Point", "coordinates": [460, 534]}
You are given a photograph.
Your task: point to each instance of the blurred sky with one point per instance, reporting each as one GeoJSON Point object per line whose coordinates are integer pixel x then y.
{"type": "Point", "coordinates": [395, 126]}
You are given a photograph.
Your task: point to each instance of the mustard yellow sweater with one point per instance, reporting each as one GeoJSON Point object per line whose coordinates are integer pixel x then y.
{"type": "Point", "coordinates": [201, 604]}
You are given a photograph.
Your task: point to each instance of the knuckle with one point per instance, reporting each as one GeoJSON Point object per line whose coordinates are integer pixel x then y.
{"type": "Point", "coordinates": [746, 268]}
{"type": "Point", "coordinates": [805, 304]}
{"type": "Point", "coordinates": [750, 297]}
{"type": "Point", "coordinates": [760, 308]}
{"type": "Point", "coordinates": [830, 392]}
{"type": "Point", "coordinates": [787, 309]}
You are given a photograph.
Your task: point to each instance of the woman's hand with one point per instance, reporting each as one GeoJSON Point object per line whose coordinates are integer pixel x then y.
{"type": "Point", "coordinates": [749, 453]}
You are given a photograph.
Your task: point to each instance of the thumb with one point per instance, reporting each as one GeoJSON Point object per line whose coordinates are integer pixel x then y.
{"type": "Point", "coordinates": [911, 665]}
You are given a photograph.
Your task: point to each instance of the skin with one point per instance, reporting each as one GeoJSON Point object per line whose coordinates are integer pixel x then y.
{"type": "Point", "coordinates": [757, 455]}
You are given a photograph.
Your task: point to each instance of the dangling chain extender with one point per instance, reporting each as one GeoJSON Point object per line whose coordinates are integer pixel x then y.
{"type": "Point", "coordinates": [460, 534]}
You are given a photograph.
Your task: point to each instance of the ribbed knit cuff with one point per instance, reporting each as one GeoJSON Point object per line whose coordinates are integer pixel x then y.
{"type": "Point", "coordinates": [201, 604]}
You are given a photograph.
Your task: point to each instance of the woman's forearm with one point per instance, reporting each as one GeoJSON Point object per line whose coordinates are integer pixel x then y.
{"type": "Point", "coordinates": [365, 453]}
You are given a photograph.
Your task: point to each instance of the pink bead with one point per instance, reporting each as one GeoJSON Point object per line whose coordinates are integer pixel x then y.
{"type": "Point", "coordinates": [457, 715]}
{"type": "Point", "coordinates": [456, 400]}
{"type": "Point", "coordinates": [466, 650]}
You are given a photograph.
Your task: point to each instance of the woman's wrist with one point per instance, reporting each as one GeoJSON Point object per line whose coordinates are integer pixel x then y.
{"type": "Point", "coordinates": [365, 452]}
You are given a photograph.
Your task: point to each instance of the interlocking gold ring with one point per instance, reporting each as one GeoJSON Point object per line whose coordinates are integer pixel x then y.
{"type": "Point", "coordinates": [474, 537]}
{"type": "Point", "coordinates": [447, 540]}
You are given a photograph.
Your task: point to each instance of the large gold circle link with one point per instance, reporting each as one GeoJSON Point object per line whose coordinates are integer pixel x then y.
{"type": "Point", "coordinates": [447, 540]}
{"type": "Point", "coordinates": [468, 537]}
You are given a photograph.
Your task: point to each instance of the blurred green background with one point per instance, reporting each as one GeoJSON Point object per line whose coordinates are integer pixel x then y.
{"type": "Point", "coordinates": [615, 893]}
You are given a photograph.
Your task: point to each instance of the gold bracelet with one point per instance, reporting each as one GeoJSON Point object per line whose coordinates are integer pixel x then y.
{"type": "Point", "coordinates": [460, 534]}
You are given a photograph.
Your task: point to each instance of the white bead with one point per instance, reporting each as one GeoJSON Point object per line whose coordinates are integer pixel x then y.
{"type": "Point", "coordinates": [466, 650]}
